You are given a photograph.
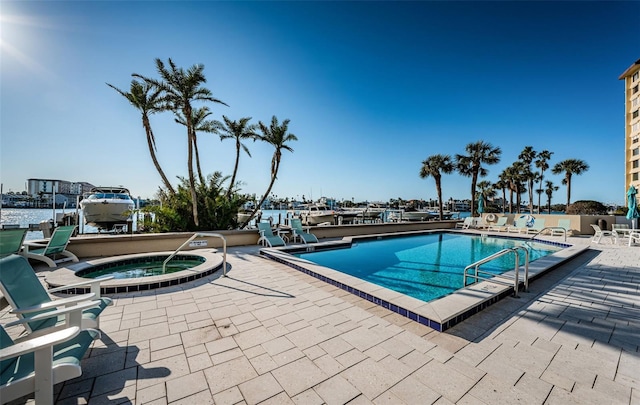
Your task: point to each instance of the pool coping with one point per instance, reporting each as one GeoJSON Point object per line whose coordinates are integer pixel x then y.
{"type": "Point", "coordinates": [66, 275]}
{"type": "Point", "coordinates": [439, 314]}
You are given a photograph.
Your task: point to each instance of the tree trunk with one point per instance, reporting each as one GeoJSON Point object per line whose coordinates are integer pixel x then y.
{"type": "Point", "coordinates": [235, 168]}
{"type": "Point", "coordinates": [149, 132]}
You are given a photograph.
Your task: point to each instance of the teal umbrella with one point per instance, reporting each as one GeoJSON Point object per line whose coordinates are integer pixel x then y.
{"type": "Point", "coordinates": [480, 204]}
{"type": "Point", "coordinates": [632, 205]}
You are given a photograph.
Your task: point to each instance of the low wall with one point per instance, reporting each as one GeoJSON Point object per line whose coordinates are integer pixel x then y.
{"type": "Point", "coordinates": [112, 245]}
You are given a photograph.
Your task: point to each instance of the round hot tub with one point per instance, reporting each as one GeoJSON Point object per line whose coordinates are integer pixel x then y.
{"type": "Point", "coordinates": [138, 272]}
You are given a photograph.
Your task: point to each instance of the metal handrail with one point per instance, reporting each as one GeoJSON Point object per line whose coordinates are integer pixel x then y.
{"type": "Point", "coordinates": [564, 231]}
{"type": "Point", "coordinates": [516, 269]}
{"type": "Point", "coordinates": [196, 235]}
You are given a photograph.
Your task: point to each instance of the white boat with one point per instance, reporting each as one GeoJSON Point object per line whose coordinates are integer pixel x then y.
{"type": "Point", "coordinates": [104, 207]}
{"type": "Point", "coordinates": [315, 214]}
{"type": "Point", "coordinates": [398, 216]}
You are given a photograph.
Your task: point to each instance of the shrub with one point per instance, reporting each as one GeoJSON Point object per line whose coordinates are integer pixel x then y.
{"type": "Point", "coordinates": [587, 208]}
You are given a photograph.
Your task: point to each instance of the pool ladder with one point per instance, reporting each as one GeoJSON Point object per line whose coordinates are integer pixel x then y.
{"type": "Point", "coordinates": [484, 275]}
{"type": "Point", "coordinates": [197, 235]}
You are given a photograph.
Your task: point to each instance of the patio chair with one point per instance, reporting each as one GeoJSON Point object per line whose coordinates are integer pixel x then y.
{"type": "Point", "coordinates": [11, 241]}
{"type": "Point", "coordinates": [57, 245]}
{"type": "Point", "coordinates": [36, 364]}
{"type": "Point", "coordinates": [599, 233]}
{"type": "Point", "coordinates": [520, 226]}
{"type": "Point", "coordinates": [620, 231]}
{"type": "Point", "coordinates": [564, 225]}
{"type": "Point", "coordinates": [465, 224]}
{"type": "Point", "coordinates": [538, 226]}
{"type": "Point", "coordinates": [500, 225]}
{"type": "Point", "coordinates": [298, 232]}
{"type": "Point", "coordinates": [28, 297]}
{"type": "Point", "coordinates": [634, 237]}
{"type": "Point", "coordinates": [267, 237]}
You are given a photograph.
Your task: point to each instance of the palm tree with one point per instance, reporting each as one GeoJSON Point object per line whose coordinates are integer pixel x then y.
{"type": "Point", "coordinates": [276, 135]}
{"type": "Point", "coordinates": [179, 89]}
{"type": "Point", "coordinates": [200, 124]}
{"type": "Point", "coordinates": [549, 189]}
{"type": "Point", "coordinates": [542, 163]}
{"type": "Point", "coordinates": [146, 98]}
{"type": "Point", "coordinates": [526, 157]}
{"type": "Point", "coordinates": [434, 166]}
{"type": "Point", "coordinates": [470, 165]}
{"type": "Point", "coordinates": [502, 184]}
{"type": "Point", "coordinates": [238, 130]}
{"type": "Point", "coordinates": [570, 167]}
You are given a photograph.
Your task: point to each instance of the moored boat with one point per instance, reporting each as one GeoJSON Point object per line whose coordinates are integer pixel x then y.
{"type": "Point", "coordinates": [315, 214]}
{"type": "Point", "coordinates": [104, 207]}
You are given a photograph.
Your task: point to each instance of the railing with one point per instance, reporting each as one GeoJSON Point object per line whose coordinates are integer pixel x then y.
{"type": "Point", "coordinates": [197, 235]}
{"type": "Point", "coordinates": [478, 274]}
{"type": "Point", "coordinates": [551, 228]}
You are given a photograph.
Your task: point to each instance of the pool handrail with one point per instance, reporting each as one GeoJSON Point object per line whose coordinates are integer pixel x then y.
{"type": "Point", "coordinates": [564, 231]}
{"type": "Point", "coordinates": [194, 236]}
{"type": "Point", "coordinates": [516, 269]}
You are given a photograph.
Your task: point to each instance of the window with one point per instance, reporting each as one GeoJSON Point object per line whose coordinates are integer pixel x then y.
{"type": "Point", "coordinates": [635, 76]}
{"type": "Point", "coordinates": [634, 176]}
{"type": "Point", "coordinates": [635, 152]}
{"type": "Point", "coordinates": [635, 114]}
{"type": "Point", "coordinates": [634, 90]}
{"type": "Point", "coordinates": [635, 164]}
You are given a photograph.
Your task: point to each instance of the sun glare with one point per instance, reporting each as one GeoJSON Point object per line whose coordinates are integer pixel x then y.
{"type": "Point", "coordinates": [20, 39]}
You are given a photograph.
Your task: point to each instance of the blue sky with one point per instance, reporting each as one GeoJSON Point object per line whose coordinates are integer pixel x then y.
{"type": "Point", "coordinates": [371, 89]}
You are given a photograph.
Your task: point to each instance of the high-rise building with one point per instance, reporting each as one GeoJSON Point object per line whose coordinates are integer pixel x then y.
{"type": "Point", "coordinates": [631, 78]}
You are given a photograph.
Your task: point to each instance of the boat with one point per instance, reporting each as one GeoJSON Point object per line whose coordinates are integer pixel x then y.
{"type": "Point", "coordinates": [105, 207]}
{"type": "Point", "coordinates": [315, 214]}
{"type": "Point", "coordinates": [400, 215]}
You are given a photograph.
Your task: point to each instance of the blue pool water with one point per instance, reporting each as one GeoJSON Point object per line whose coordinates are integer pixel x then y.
{"type": "Point", "coordinates": [425, 267]}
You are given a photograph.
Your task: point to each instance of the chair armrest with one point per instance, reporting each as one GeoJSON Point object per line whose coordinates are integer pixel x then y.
{"type": "Point", "coordinates": [94, 283]}
{"type": "Point", "coordinates": [38, 343]}
{"type": "Point", "coordinates": [55, 313]}
{"type": "Point", "coordinates": [56, 303]}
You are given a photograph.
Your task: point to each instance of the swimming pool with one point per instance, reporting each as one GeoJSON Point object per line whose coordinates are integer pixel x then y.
{"type": "Point", "coordinates": [425, 267]}
{"type": "Point", "coordinates": [439, 313]}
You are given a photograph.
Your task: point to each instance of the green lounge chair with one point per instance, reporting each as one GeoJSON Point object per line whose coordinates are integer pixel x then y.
{"type": "Point", "coordinates": [564, 225]}
{"type": "Point", "coordinates": [36, 364]}
{"type": "Point", "coordinates": [11, 241]}
{"type": "Point", "coordinates": [538, 226]}
{"type": "Point", "coordinates": [298, 232]}
{"type": "Point", "coordinates": [28, 298]}
{"type": "Point", "coordinates": [267, 237]}
{"type": "Point", "coordinates": [519, 226]}
{"type": "Point", "coordinates": [500, 225]}
{"type": "Point", "coordinates": [57, 245]}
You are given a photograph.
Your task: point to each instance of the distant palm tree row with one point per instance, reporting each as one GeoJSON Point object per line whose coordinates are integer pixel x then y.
{"type": "Point", "coordinates": [518, 178]}
{"type": "Point", "coordinates": [176, 91]}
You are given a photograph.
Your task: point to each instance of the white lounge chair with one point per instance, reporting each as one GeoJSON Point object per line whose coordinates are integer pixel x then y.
{"type": "Point", "coordinates": [564, 225]}
{"type": "Point", "coordinates": [620, 231]}
{"type": "Point", "coordinates": [500, 225]}
{"type": "Point", "coordinates": [520, 226]}
{"type": "Point", "coordinates": [634, 237]}
{"type": "Point", "coordinates": [599, 233]}
{"type": "Point", "coordinates": [465, 224]}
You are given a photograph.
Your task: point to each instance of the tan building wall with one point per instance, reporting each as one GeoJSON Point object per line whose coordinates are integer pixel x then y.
{"type": "Point", "coordinates": [631, 78]}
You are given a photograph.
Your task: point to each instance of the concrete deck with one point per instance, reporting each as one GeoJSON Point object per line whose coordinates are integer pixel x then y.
{"type": "Point", "coordinates": [269, 334]}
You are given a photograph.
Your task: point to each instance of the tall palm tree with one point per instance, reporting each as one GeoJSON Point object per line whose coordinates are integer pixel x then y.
{"type": "Point", "coordinates": [200, 124]}
{"type": "Point", "coordinates": [549, 189]}
{"type": "Point", "coordinates": [146, 98]}
{"type": "Point", "coordinates": [526, 157]}
{"type": "Point", "coordinates": [502, 184]}
{"type": "Point", "coordinates": [239, 131]}
{"type": "Point", "coordinates": [470, 165]}
{"type": "Point", "coordinates": [570, 167]}
{"type": "Point", "coordinates": [542, 163]}
{"type": "Point", "coordinates": [435, 166]}
{"type": "Point", "coordinates": [180, 89]}
{"type": "Point", "coordinates": [276, 135]}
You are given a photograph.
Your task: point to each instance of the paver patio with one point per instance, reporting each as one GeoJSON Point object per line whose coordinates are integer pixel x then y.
{"type": "Point", "coordinates": [268, 334]}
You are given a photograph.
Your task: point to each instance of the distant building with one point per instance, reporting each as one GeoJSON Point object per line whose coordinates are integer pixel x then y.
{"type": "Point", "coordinates": [631, 78]}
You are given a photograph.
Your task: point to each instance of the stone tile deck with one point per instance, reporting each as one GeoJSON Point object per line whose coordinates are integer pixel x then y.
{"type": "Point", "coordinates": [268, 334]}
